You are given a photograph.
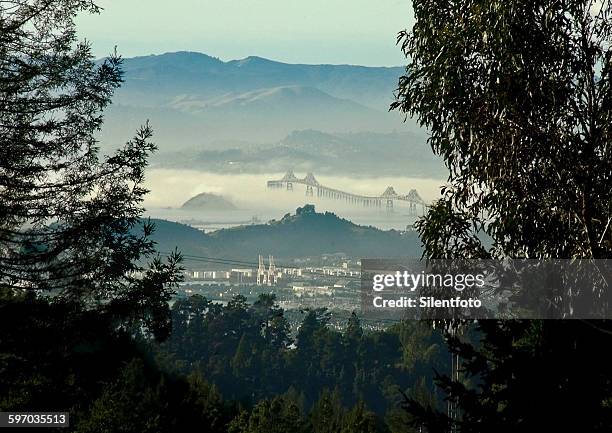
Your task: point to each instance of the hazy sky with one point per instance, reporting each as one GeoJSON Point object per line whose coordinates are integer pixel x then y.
{"type": "Point", "coordinates": [305, 31]}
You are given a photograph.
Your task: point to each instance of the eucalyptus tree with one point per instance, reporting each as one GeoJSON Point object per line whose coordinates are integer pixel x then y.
{"type": "Point", "coordinates": [517, 98]}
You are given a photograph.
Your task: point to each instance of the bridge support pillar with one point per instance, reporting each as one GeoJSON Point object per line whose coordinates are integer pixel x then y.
{"type": "Point", "coordinates": [309, 191]}
{"type": "Point", "coordinates": [289, 186]}
{"type": "Point", "coordinates": [389, 205]}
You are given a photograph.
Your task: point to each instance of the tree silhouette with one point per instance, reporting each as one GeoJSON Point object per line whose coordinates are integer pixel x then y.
{"type": "Point", "coordinates": [517, 98]}
{"type": "Point", "coordinates": [67, 215]}
{"type": "Point", "coordinates": [75, 289]}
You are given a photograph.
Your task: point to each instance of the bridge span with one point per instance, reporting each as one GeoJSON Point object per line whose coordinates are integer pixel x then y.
{"type": "Point", "coordinates": [387, 198]}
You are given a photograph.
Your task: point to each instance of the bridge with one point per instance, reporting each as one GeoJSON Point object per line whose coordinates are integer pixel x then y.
{"type": "Point", "coordinates": [413, 198]}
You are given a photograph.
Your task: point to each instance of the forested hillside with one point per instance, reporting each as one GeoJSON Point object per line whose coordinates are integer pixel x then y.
{"type": "Point", "coordinates": [306, 233]}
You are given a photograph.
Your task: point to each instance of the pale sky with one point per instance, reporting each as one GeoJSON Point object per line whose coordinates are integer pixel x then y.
{"type": "Point", "coordinates": [306, 31]}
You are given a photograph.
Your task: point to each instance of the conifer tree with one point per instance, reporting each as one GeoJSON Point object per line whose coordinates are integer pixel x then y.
{"type": "Point", "coordinates": [69, 217]}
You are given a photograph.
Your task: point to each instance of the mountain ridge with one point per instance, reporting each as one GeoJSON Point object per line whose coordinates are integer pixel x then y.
{"type": "Point", "coordinates": [194, 100]}
{"type": "Point", "coordinates": [206, 75]}
{"type": "Point", "coordinates": [243, 61]}
{"type": "Point", "coordinates": [289, 95]}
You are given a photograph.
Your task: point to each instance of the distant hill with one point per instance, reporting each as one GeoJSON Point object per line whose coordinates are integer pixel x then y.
{"type": "Point", "coordinates": [306, 233]}
{"type": "Point", "coordinates": [208, 201]}
{"type": "Point", "coordinates": [374, 154]}
{"type": "Point", "coordinates": [280, 98]}
{"type": "Point", "coordinates": [152, 79]}
{"type": "Point", "coordinates": [195, 101]}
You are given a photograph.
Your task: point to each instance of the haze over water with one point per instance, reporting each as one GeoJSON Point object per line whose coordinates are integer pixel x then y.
{"type": "Point", "coordinates": [249, 192]}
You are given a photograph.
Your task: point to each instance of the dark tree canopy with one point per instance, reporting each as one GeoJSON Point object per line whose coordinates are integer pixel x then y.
{"type": "Point", "coordinates": [517, 98]}
{"type": "Point", "coordinates": [66, 213]}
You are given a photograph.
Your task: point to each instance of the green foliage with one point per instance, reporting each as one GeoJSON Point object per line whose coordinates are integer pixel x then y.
{"type": "Point", "coordinates": [143, 400]}
{"type": "Point", "coordinates": [525, 375]}
{"type": "Point", "coordinates": [270, 416]}
{"type": "Point", "coordinates": [423, 395]}
{"type": "Point", "coordinates": [67, 215]}
{"type": "Point", "coordinates": [327, 414]}
{"type": "Point", "coordinates": [421, 347]}
{"type": "Point", "coordinates": [517, 98]}
{"type": "Point", "coordinates": [75, 289]}
{"type": "Point", "coordinates": [354, 331]}
{"type": "Point", "coordinates": [360, 420]}
{"type": "Point", "coordinates": [127, 405]}
{"type": "Point", "coordinates": [247, 352]}
{"type": "Point", "coordinates": [55, 354]}
{"type": "Point", "coordinates": [93, 372]}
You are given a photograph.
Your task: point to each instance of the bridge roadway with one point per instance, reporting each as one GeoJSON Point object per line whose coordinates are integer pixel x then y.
{"type": "Point", "coordinates": [387, 197]}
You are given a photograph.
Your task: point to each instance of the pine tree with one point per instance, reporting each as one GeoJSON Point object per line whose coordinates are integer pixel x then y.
{"type": "Point", "coordinates": [74, 284]}
{"type": "Point", "coordinates": [354, 331]}
{"type": "Point", "coordinates": [327, 414]}
{"type": "Point", "coordinates": [271, 416]}
{"type": "Point", "coordinates": [360, 420]}
{"type": "Point", "coordinates": [69, 217]}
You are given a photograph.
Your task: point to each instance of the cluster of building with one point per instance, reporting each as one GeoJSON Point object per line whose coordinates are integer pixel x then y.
{"type": "Point", "coordinates": [302, 281]}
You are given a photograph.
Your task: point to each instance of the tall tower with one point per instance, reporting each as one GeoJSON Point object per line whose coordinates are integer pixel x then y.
{"type": "Point", "coordinates": [271, 272]}
{"type": "Point", "coordinates": [261, 272]}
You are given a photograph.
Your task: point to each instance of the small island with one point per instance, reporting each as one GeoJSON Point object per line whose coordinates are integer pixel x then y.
{"type": "Point", "coordinates": [208, 201]}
